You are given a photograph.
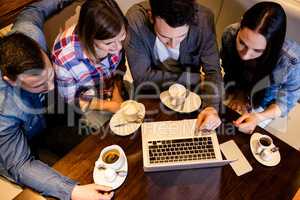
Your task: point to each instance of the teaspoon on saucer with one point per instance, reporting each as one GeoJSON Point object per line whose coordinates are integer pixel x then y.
{"type": "Point", "coordinates": [119, 172]}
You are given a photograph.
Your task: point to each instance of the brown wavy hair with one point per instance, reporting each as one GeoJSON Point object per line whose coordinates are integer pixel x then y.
{"type": "Point", "coordinates": [99, 20]}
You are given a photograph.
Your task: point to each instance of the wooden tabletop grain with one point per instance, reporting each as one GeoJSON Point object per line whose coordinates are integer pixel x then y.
{"type": "Point", "coordinates": [279, 182]}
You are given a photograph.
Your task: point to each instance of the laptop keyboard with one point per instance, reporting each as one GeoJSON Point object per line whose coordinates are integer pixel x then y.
{"type": "Point", "coordinates": [187, 149]}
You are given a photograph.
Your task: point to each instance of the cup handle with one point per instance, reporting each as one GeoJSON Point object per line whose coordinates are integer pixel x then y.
{"type": "Point", "coordinates": [140, 116]}
{"type": "Point", "coordinates": [173, 101]}
{"type": "Point", "coordinates": [99, 164]}
{"type": "Point", "coordinates": [259, 150]}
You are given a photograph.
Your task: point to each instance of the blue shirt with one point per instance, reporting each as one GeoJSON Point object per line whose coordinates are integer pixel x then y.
{"type": "Point", "coordinates": [21, 117]}
{"type": "Point", "coordinates": [282, 86]}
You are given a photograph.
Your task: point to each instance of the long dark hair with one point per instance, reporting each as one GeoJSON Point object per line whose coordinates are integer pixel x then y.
{"type": "Point", "coordinates": [269, 20]}
{"type": "Point", "coordinates": [100, 20]}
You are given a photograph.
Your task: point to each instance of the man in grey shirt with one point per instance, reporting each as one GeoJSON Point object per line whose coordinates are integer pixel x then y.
{"type": "Point", "coordinates": [169, 41]}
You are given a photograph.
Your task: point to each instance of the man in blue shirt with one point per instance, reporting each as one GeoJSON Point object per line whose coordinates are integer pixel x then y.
{"type": "Point", "coordinates": [26, 75]}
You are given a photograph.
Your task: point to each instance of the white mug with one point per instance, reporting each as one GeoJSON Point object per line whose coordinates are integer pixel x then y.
{"type": "Point", "coordinates": [177, 93]}
{"type": "Point", "coordinates": [131, 111]}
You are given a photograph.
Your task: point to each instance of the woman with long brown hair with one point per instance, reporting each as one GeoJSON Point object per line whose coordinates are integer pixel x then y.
{"type": "Point", "coordinates": [261, 66]}
{"type": "Point", "coordinates": [89, 59]}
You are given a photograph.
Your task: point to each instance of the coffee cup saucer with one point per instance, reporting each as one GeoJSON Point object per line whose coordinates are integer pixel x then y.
{"type": "Point", "coordinates": [275, 157]}
{"type": "Point", "coordinates": [99, 176]}
{"type": "Point", "coordinates": [127, 128]}
{"type": "Point", "coordinates": [191, 103]}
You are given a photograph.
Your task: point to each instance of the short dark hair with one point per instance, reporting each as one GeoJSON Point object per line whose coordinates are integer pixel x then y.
{"type": "Point", "coordinates": [99, 19]}
{"type": "Point", "coordinates": [175, 12]}
{"type": "Point", "coordinates": [19, 53]}
{"type": "Point", "coordinates": [269, 20]}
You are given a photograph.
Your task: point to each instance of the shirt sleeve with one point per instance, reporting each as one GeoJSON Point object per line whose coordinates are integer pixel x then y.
{"type": "Point", "coordinates": [21, 166]}
{"type": "Point", "coordinates": [210, 60]}
{"type": "Point", "coordinates": [66, 84]}
{"type": "Point", "coordinates": [31, 20]}
{"type": "Point", "coordinates": [287, 93]}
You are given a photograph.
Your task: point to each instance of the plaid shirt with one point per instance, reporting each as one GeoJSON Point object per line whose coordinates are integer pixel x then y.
{"type": "Point", "coordinates": [75, 72]}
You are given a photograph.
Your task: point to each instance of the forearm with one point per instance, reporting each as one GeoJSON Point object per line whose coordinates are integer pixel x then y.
{"type": "Point", "coordinates": [39, 11]}
{"type": "Point", "coordinates": [21, 166]}
{"type": "Point", "coordinates": [99, 104]}
{"type": "Point", "coordinates": [116, 95]}
{"type": "Point", "coordinates": [111, 106]}
{"type": "Point", "coordinates": [271, 112]}
{"type": "Point", "coordinates": [210, 59]}
{"type": "Point", "coordinates": [212, 90]}
{"type": "Point", "coordinates": [31, 20]}
{"type": "Point", "coordinates": [143, 73]}
{"type": "Point", "coordinates": [44, 179]}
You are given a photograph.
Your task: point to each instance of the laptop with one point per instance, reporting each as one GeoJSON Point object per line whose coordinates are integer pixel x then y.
{"type": "Point", "coordinates": [173, 145]}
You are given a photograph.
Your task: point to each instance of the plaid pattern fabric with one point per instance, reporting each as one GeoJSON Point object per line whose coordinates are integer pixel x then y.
{"type": "Point", "coordinates": [75, 71]}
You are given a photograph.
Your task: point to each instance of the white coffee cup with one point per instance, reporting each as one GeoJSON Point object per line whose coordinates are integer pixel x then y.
{"type": "Point", "coordinates": [264, 146]}
{"type": "Point", "coordinates": [177, 93]}
{"type": "Point", "coordinates": [111, 159]}
{"type": "Point", "coordinates": [131, 111]}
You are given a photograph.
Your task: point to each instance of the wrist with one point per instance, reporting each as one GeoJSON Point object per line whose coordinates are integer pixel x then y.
{"type": "Point", "coordinates": [260, 117]}
{"type": "Point", "coordinates": [97, 104]}
{"type": "Point", "coordinates": [210, 109]}
{"type": "Point", "coordinates": [74, 192]}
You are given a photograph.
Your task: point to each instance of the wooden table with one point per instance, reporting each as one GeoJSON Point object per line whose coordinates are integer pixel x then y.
{"type": "Point", "coordinates": [279, 182]}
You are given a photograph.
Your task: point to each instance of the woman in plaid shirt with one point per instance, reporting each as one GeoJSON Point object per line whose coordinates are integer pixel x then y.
{"type": "Point", "coordinates": [89, 58]}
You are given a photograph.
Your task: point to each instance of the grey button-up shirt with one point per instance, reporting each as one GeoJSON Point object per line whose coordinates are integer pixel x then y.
{"type": "Point", "coordinates": [198, 49]}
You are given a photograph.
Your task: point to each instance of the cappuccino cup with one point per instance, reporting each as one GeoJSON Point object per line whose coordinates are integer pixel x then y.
{"type": "Point", "coordinates": [177, 93]}
{"type": "Point", "coordinates": [131, 111]}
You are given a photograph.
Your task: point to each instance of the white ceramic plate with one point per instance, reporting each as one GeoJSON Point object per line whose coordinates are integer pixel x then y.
{"type": "Point", "coordinates": [127, 129]}
{"type": "Point", "coordinates": [275, 160]}
{"type": "Point", "coordinates": [191, 104]}
{"type": "Point", "coordinates": [98, 176]}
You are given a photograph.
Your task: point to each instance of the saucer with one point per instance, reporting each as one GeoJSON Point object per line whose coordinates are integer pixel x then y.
{"type": "Point", "coordinates": [126, 129]}
{"type": "Point", "coordinates": [275, 160]}
{"type": "Point", "coordinates": [191, 104]}
{"type": "Point", "coordinates": [98, 176]}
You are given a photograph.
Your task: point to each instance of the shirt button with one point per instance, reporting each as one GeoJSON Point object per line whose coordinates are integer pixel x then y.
{"type": "Point", "coordinates": [30, 127]}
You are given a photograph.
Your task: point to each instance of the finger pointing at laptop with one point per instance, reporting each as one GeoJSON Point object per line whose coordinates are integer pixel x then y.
{"type": "Point", "coordinates": [208, 119]}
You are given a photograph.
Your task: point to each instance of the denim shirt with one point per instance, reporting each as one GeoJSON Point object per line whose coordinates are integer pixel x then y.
{"type": "Point", "coordinates": [21, 117]}
{"type": "Point", "coordinates": [282, 86]}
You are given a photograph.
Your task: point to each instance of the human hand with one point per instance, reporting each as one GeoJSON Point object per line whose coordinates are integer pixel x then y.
{"type": "Point", "coordinates": [91, 192]}
{"type": "Point", "coordinates": [208, 119]}
{"type": "Point", "coordinates": [247, 122]}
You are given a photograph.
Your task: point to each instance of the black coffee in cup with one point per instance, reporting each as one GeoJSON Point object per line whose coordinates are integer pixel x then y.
{"type": "Point", "coordinates": [265, 142]}
{"type": "Point", "coordinates": [111, 156]}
